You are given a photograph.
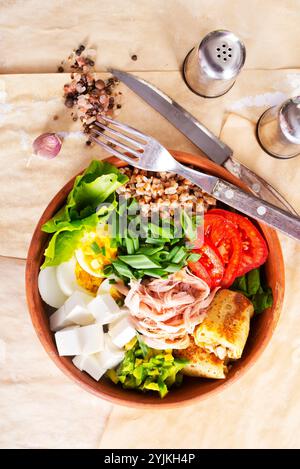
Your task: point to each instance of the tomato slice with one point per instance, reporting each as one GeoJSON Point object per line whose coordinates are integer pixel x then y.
{"type": "Point", "coordinates": [254, 247]}
{"type": "Point", "coordinates": [209, 265]}
{"type": "Point", "coordinates": [225, 237]}
{"type": "Point", "coordinates": [198, 269]}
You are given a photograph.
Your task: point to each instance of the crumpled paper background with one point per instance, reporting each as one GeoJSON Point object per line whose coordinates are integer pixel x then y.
{"type": "Point", "coordinates": [39, 406]}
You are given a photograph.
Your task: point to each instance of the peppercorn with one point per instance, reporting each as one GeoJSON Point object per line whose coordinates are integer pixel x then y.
{"type": "Point", "coordinates": [69, 102]}
{"type": "Point", "coordinates": [134, 57]}
{"type": "Point", "coordinates": [60, 69]}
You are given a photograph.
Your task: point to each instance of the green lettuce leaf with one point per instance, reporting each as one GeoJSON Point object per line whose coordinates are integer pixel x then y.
{"type": "Point", "coordinates": [94, 187]}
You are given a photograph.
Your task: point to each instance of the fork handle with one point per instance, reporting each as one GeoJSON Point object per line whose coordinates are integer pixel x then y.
{"type": "Point", "coordinates": [250, 205]}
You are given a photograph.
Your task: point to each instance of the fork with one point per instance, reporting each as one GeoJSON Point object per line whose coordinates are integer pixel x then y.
{"type": "Point", "coordinates": [145, 152]}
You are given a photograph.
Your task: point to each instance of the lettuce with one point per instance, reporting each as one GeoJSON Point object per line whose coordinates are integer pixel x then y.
{"type": "Point", "coordinates": [96, 186]}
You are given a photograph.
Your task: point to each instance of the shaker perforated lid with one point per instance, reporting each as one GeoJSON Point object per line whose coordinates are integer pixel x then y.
{"type": "Point", "coordinates": [210, 69]}
{"type": "Point", "coordinates": [222, 55]}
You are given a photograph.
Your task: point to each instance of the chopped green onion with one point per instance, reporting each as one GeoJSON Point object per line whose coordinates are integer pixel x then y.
{"type": "Point", "coordinates": [188, 226]}
{"type": "Point", "coordinates": [179, 256]}
{"type": "Point", "coordinates": [160, 231]}
{"type": "Point", "coordinates": [173, 251]}
{"type": "Point", "coordinates": [157, 240]}
{"type": "Point", "coordinates": [139, 261]}
{"type": "Point", "coordinates": [157, 273]}
{"type": "Point", "coordinates": [122, 269]}
{"type": "Point", "coordinates": [113, 243]}
{"type": "Point", "coordinates": [171, 268]}
{"type": "Point", "coordinates": [136, 243]}
{"type": "Point", "coordinates": [108, 270]}
{"type": "Point", "coordinates": [96, 248]}
{"type": "Point", "coordinates": [129, 245]}
{"type": "Point", "coordinates": [149, 251]}
{"type": "Point", "coordinates": [194, 257]}
{"type": "Point", "coordinates": [160, 256]}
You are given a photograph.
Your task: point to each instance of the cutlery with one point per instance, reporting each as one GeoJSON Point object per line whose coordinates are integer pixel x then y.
{"type": "Point", "coordinates": [150, 155]}
{"type": "Point", "coordinates": [203, 138]}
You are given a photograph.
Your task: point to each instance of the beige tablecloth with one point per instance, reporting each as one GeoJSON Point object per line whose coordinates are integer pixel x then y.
{"type": "Point", "coordinates": [40, 407]}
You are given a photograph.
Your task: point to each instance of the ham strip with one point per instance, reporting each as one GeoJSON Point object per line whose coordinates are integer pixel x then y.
{"type": "Point", "coordinates": [166, 311]}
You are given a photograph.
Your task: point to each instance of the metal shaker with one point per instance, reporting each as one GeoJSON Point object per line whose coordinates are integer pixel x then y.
{"type": "Point", "coordinates": [278, 129]}
{"type": "Point", "coordinates": [210, 69]}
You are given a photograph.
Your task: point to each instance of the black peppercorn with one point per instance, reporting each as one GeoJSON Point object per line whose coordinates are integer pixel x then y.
{"type": "Point", "coordinates": [69, 102]}
{"type": "Point", "coordinates": [134, 57]}
{"type": "Point", "coordinates": [60, 69]}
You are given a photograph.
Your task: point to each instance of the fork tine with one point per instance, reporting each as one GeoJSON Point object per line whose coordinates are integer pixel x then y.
{"type": "Point", "coordinates": [126, 128]}
{"type": "Point", "coordinates": [118, 134]}
{"type": "Point", "coordinates": [117, 153]}
{"type": "Point", "coordinates": [116, 142]}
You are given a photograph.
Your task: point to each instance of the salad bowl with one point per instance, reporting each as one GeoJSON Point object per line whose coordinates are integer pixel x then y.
{"type": "Point", "coordinates": [262, 326]}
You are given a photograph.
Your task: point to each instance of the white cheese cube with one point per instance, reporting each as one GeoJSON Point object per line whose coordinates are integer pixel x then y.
{"type": "Point", "coordinates": [78, 361]}
{"type": "Point", "coordinates": [104, 309]}
{"type": "Point", "coordinates": [121, 331]}
{"type": "Point", "coordinates": [59, 319]}
{"type": "Point", "coordinates": [90, 364]}
{"type": "Point", "coordinates": [111, 355]}
{"type": "Point", "coordinates": [76, 308]}
{"type": "Point", "coordinates": [81, 340]}
{"type": "Point", "coordinates": [67, 341]}
{"type": "Point", "coordinates": [73, 311]}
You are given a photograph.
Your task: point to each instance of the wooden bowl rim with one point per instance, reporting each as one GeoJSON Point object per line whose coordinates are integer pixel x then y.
{"type": "Point", "coordinates": [82, 378]}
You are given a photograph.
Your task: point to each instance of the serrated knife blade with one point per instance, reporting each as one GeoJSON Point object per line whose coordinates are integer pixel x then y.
{"type": "Point", "coordinates": [204, 139]}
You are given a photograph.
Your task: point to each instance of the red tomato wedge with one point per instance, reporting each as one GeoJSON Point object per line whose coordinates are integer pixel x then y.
{"type": "Point", "coordinates": [225, 237]}
{"type": "Point", "coordinates": [201, 272]}
{"type": "Point", "coordinates": [254, 247]}
{"type": "Point", "coordinates": [210, 266]}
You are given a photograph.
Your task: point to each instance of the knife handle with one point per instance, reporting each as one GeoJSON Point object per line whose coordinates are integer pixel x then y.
{"type": "Point", "coordinates": [257, 208]}
{"type": "Point", "coordinates": [258, 185]}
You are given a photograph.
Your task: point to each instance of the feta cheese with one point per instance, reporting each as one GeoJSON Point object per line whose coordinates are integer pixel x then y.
{"type": "Point", "coordinates": [80, 340]}
{"type": "Point", "coordinates": [73, 311]}
{"type": "Point", "coordinates": [111, 355]}
{"type": "Point", "coordinates": [59, 320]}
{"type": "Point", "coordinates": [78, 361]}
{"type": "Point", "coordinates": [104, 309]}
{"type": "Point", "coordinates": [90, 364]}
{"type": "Point", "coordinates": [121, 331]}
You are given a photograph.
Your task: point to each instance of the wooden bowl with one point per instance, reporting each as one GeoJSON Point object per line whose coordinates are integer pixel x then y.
{"type": "Point", "coordinates": [262, 326]}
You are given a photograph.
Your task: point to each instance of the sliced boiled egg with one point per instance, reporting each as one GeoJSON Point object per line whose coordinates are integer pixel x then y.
{"type": "Point", "coordinates": [95, 252]}
{"type": "Point", "coordinates": [49, 288]}
{"type": "Point", "coordinates": [66, 277]}
{"type": "Point", "coordinates": [106, 287]}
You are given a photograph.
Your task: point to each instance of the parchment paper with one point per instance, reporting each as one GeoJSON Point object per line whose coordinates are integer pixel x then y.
{"type": "Point", "coordinates": [36, 35]}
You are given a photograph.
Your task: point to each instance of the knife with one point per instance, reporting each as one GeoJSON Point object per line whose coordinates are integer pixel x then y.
{"type": "Point", "coordinates": [203, 138]}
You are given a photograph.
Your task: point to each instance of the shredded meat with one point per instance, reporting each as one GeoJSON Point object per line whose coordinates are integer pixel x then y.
{"type": "Point", "coordinates": [166, 311]}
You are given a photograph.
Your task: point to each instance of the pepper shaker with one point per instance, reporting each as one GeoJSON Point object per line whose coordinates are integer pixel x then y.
{"type": "Point", "coordinates": [210, 69]}
{"type": "Point", "coordinates": [278, 129]}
